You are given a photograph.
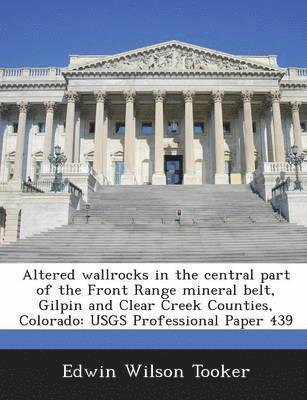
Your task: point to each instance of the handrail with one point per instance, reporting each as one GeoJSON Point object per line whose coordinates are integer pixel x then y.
{"type": "Point", "coordinates": [281, 187]}
{"type": "Point", "coordinates": [28, 187]}
{"type": "Point", "coordinates": [73, 189]}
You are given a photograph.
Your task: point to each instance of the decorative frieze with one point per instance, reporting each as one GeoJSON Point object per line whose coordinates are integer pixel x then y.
{"type": "Point", "coordinates": [174, 58]}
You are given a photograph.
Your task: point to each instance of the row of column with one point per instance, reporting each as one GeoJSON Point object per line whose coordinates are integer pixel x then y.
{"type": "Point", "coordinates": [129, 153]}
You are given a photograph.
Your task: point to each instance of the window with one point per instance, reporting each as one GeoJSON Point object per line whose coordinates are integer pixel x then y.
{"type": "Point", "coordinates": [304, 126]}
{"type": "Point", "coordinates": [173, 128]}
{"type": "Point", "coordinates": [254, 127]}
{"type": "Point", "coordinates": [146, 128]}
{"type": "Point", "coordinates": [41, 127]}
{"type": "Point", "coordinates": [227, 128]}
{"type": "Point", "coordinates": [15, 127]}
{"type": "Point", "coordinates": [199, 128]}
{"type": "Point", "coordinates": [120, 128]}
{"type": "Point", "coordinates": [91, 128]}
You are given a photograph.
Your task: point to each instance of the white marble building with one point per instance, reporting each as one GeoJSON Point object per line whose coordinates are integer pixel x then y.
{"type": "Point", "coordinates": [168, 113]}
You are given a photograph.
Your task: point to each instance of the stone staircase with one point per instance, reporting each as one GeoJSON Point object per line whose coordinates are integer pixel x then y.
{"type": "Point", "coordinates": [219, 223]}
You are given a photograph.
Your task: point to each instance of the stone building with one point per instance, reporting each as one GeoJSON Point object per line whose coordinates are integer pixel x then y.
{"type": "Point", "coordinates": [170, 113]}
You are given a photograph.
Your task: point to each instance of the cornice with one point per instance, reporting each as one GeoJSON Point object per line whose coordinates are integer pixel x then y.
{"type": "Point", "coordinates": [173, 74]}
{"type": "Point", "coordinates": [32, 85]}
{"type": "Point", "coordinates": [293, 85]}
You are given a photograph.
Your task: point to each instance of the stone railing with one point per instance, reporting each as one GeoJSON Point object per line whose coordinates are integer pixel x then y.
{"type": "Point", "coordinates": [296, 73]}
{"type": "Point", "coordinates": [9, 74]}
{"type": "Point", "coordinates": [277, 167]}
{"type": "Point", "coordinates": [68, 168]}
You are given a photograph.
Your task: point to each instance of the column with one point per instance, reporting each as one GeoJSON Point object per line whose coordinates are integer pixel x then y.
{"type": "Point", "coordinates": [50, 107]}
{"type": "Point", "coordinates": [220, 176]}
{"type": "Point", "coordinates": [278, 133]}
{"type": "Point", "coordinates": [72, 98]}
{"type": "Point", "coordinates": [189, 159]}
{"type": "Point", "coordinates": [100, 133]}
{"type": "Point", "coordinates": [20, 150]}
{"type": "Point", "coordinates": [248, 136]}
{"type": "Point", "coordinates": [3, 135]}
{"type": "Point", "coordinates": [77, 136]}
{"type": "Point", "coordinates": [158, 177]}
{"type": "Point", "coordinates": [128, 177]}
{"type": "Point", "coordinates": [297, 131]}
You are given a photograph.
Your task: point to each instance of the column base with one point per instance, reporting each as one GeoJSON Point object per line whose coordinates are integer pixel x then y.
{"type": "Point", "coordinates": [14, 185]}
{"type": "Point", "coordinates": [221, 179]}
{"type": "Point", "coordinates": [235, 178]}
{"type": "Point", "coordinates": [158, 178]}
{"type": "Point", "coordinates": [190, 179]}
{"type": "Point", "coordinates": [127, 179]}
{"type": "Point", "coordinates": [248, 177]}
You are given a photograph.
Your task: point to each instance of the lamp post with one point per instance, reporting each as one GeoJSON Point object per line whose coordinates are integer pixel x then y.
{"type": "Point", "coordinates": [57, 159]}
{"type": "Point", "coordinates": [293, 158]}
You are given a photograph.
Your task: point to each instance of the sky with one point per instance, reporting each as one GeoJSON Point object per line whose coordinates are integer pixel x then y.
{"type": "Point", "coordinates": [44, 33]}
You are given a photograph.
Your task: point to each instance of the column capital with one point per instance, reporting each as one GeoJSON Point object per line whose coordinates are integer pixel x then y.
{"type": "Point", "coordinates": [50, 106]}
{"type": "Point", "coordinates": [23, 106]}
{"type": "Point", "coordinates": [3, 108]}
{"type": "Point", "coordinates": [275, 96]}
{"type": "Point", "coordinates": [159, 96]}
{"type": "Point", "coordinates": [246, 95]}
{"type": "Point", "coordinates": [188, 96]}
{"type": "Point", "coordinates": [129, 96]}
{"type": "Point", "coordinates": [217, 96]}
{"type": "Point", "coordinates": [71, 97]}
{"type": "Point", "coordinates": [295, 105]}
{"type": "Point", "coordinates": [101, 96]}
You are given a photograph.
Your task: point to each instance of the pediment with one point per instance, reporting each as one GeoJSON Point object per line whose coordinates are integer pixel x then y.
{"type": "Point", "coordinates": [173, 58]}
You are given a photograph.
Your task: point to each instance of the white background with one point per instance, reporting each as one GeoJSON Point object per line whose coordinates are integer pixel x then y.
{"type": "Point", "coordinates": [18, 297]}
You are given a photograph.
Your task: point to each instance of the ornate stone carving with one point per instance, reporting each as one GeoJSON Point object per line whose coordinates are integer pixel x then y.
{"type": "Point", "coordinates": [174, 58]}
{"type": "Point", "coordinates": [246, 95]}
{"type": "Point", "coordinates": [217, 96]}
{"type": "Point", "coordinates": [101, 96]}
{"type": "Point", "coordinates": [295, 106]}
{"type": "Point", "coordinates": [50, 106]}
{"type": "Point", "coordinates": [275, 96]}
{"type": "Point", "coordinates": [23, 106]}
{"type": "Point", "coordinates": [159, 96]}
{"type": "Point", "coordinates": [188, 96]}
{"type": "Point", "coordinates": [129, 96]}
{"type": "Point", "coordinates": [71, 97]}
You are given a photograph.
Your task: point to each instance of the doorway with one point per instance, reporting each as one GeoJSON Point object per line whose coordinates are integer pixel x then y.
{"type": "Point", "coordinates": [173, 167]}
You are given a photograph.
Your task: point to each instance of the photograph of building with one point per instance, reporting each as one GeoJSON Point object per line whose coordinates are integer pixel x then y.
{"type": "Point", "coordinates": [143, 134]}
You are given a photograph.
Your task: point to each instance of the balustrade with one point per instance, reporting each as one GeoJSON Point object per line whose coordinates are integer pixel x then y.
{"type": "Point", "coordinates": [30, 73]}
